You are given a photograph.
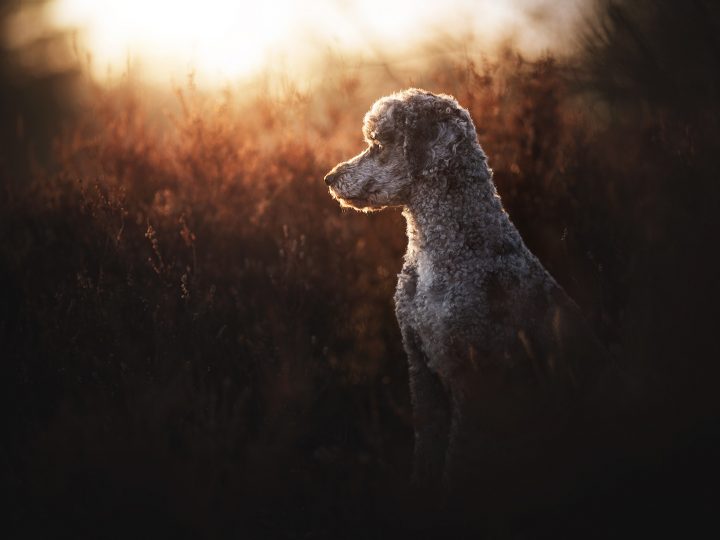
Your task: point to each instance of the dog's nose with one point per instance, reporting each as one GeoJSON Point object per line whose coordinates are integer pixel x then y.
{"type": "Point", "coordinates": [331, 178]}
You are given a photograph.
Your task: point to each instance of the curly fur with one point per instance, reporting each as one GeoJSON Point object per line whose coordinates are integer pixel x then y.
{"type": "Point", "coordinates": [497, 351]}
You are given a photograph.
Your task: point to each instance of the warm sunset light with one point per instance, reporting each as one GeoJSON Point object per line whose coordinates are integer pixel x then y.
{"type": "Point", "coordinates": [357, 269]}
{"type": "Point", "coordinates": [223, 40]}
{"type": "Point", "coordinates": [216, 36]}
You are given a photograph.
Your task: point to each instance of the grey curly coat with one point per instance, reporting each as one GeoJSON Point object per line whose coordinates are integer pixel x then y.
{"type": "Point", "coordinates": [497, 350]}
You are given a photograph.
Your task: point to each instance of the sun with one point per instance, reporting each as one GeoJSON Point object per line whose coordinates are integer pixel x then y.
{"type": "Point", "coordinates": [216, 38]}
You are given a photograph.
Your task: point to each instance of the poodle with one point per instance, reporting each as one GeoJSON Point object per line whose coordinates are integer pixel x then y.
{"type": "Point", "coordinates": [498, 353]}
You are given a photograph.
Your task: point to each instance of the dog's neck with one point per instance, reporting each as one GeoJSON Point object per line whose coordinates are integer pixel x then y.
{"type": "Point", "coordinates": [455, 213]}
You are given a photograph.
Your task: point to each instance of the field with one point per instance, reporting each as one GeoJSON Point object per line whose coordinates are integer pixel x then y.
{"type": "Point", "coordinates": [197, 341]}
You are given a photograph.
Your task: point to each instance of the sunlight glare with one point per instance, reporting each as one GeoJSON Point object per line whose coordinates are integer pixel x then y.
{"type": "Point", "coordinates": [224, 40]}
{"type": "Point", "coordinates": [217, 37]}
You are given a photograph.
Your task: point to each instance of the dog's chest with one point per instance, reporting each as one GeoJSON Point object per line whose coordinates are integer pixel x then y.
{"type": "Point", "coordinates": [422, 297]}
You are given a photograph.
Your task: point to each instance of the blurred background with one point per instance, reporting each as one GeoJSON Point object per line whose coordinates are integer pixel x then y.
{"type": "Point", "coordinates": [197, 341]}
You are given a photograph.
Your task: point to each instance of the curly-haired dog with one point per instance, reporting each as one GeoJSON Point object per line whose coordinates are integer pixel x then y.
{"type": "Point", "coordinates": [497, 350]}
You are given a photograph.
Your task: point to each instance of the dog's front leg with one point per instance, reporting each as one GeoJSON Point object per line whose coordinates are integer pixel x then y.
{"type": "Point", "coordinates": [431, 416]}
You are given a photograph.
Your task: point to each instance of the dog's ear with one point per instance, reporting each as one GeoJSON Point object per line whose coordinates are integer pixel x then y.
{"type": "Point", "coordinates": [432, 139]}
{"type": "Point", "coordinates": [419, 142]}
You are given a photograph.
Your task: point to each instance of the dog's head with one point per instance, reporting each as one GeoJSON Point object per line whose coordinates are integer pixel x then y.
{"type": "Point", "coordinates": [411, 136]}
